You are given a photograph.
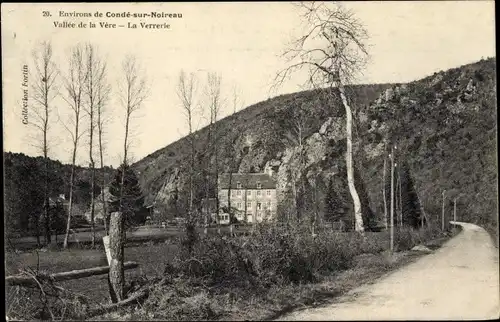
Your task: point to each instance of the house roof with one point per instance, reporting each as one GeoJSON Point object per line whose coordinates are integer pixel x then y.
{"type": "Point", "coordinates": [247, 180]}
{"type": "Point", "coordinates": [58, 199]}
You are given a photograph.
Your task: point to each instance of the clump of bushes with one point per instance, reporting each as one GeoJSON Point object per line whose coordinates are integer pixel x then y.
{"type": "Point", "coordinates": [216, 275]}
{"type": "Point", "coordinates": [406, 238]}
{"type": "Point", "coordinates": [273, 254]}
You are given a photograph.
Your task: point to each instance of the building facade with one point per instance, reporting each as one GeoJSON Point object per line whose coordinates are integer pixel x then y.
{"type": "Point", "coordinates": [252, 195]}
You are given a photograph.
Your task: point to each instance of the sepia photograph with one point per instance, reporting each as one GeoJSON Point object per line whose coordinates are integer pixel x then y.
{"type": "Point", "coordinates": [250, 161]}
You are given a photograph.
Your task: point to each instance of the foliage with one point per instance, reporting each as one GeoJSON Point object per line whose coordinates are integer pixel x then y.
{"type": "Point", "coordinates": [335, 207]}
{"type": "Point", "coordinates": [275, 254]}
{"type": "Point", "coordinates": [445, 129]}
{"type": "Point", "coordinates": [127, 196]}
{"type": "Point", "coordinates": [24, 176]}
{"type": "Point", "coordinates": [412, 215]}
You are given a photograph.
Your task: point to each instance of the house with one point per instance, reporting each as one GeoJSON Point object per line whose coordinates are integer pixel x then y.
{"type": "Point", "coordinates": [252, 195]}
{"type": "Point", "coordinates": [209, 205]}
{"type": "Point", "coordinates": [59, 200]}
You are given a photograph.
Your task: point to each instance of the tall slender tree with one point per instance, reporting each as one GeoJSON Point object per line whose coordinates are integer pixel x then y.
{"type": "Point", "coordinates": [233, 162]}
{"type": "Point", "coordinates": [186, 91]}
{"type": "Point", "coordinates": [74, 84]}
{"type": "Point", "coordinates": [95, 76]}
{"type": "Point", "coordinates": [411, 209]}
{"type": "Point", "coordinates": [333, 50]}
{"type": "Point", "coordinates": [103, 90]}
{"type": "Point", "coordinates": [44, 89]}
{"type": "Point", "coordinates": [215, 106]}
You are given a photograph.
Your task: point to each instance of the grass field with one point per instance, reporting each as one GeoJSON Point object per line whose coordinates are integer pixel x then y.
{"type": "Point", "coordinates": [144, 233]}
{"type": "Point", "coordinates": [151, 259]}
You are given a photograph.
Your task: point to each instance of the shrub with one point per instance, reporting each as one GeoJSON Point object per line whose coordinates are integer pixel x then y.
{"type": "Point", "coordinates": [273, 255]}
{"type": "Point", "coordinates": [406, 238]}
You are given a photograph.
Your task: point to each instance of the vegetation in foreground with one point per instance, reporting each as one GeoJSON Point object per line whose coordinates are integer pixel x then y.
{"type": "Point", "coordinates": [272, 271]}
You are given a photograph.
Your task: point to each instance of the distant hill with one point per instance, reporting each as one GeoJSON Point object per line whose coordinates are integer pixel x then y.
{"type": "Point", "coordinates": [24, 181]}
{"type": "Point", "coordinates": [445, 127]}
{"type": "Point", "coordinates": [445, 124]}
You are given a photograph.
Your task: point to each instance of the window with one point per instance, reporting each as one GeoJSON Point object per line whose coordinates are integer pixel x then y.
{"type": "Point", "coordinates": [238, 185]}
{"type": "Point", "coordinates": [268, 205]}
{"type": "Point", "coordinates": [268, 192]}
{"type": "Point", "coordinates": [258, 192]}
{"type": "Point", "coordinates": [259, 206]}
{"type": "Point", "coordinates": [249, 192]}
{"type": "Point", "coordinates": [249, 205]}
{"type": "Point", "coordinates": [238, 192]}
{"type": "Point", "coordinates": [238, 205]}
{"type": "Point", "coordinates": [259, 186]}
{"type": "Point", "coordinates": [233, 193]}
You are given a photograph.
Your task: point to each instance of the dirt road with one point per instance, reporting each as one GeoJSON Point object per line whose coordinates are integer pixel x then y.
{"type": "Point", "coordinates": [458, 281]}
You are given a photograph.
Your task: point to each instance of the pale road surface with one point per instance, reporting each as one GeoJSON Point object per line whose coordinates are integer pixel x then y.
{"type": "Point", "coordinates": [458, 281]}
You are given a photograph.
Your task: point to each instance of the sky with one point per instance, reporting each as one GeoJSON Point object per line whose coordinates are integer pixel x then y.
{"type": "Point", "coordinates": [242, 42]}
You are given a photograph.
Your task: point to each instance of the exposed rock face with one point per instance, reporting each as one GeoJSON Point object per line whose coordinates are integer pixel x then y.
{"type": "Point", "coordinates": [171, 184]}
{"type": "Point", "coordinates": [302, 161]}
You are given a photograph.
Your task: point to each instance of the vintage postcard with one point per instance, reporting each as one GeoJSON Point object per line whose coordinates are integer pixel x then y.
{"type": "Point", "coordinates": [250, 160]}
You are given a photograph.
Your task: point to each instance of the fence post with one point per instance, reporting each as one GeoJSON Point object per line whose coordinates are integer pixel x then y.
{"type": "Point", "coordinates": [105, 241]}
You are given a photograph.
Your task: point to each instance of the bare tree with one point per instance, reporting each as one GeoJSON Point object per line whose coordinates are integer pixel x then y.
{"type": "Point", "coordinates": [95, 71]}
{"type": "Point", "coordinates": [333, 50]}
{"type": "Point", "coordinates": [132, 93]}
{"type": "Point", "coordinates": [74, 83]}
{"type": "Point", "coordinates": [43, 90]}
{"type": "Point", "coordinates": [186, 89]}
{"type": "Point", "coordinates": [103, 90]}
{"type": "Point", "coordinates": [233, 162]}
{"type": "Point", "coordinates": [215, 105]}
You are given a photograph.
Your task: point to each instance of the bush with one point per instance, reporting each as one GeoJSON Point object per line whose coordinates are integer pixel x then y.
{"type": "Point", "coordinates": [273, 255]}
{"type": "Point", "coordinates": [406, 238]}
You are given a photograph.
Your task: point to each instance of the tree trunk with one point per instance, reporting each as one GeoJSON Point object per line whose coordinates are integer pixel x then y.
{"type": "Point", "coordinates": [37, 230]}
{"type": "Point", "coordinates": [217, 206]}
{"type": "Point", "coordinates": [116, 271]}
{"type": "Point", "coordinates": [245, 205]}
{"type": "Point", "coordinates": [400, 200]}
{"type": "Point", "coordinates": [392, 200]}
{"type": "Point", "coordinates": [295, 196]}
{"type": "Point", "coordinates": [349, 163]}
{"type": "Point", "coordinates": [383, 193]}
{"type": "Point", "coordinates": [92, 169]}
{"type": "Point", "coordinates": [442, 213]}
{"type": "Point", "coordinates": [103, 183]}
{"type": "Point", "coordinates": [70, 206]}
{"type": "Point", "coordinates": [92, 204]}
{"type": "Point", "coordinates": [229, 197]}
{"type": "Point", "coordinates": [207, 203]}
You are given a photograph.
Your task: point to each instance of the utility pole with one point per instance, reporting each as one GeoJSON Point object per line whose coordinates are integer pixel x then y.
{"type": "Point", "coordinates": [442, 212]}
{"type": "Point", "coordinates": [392, 198]}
